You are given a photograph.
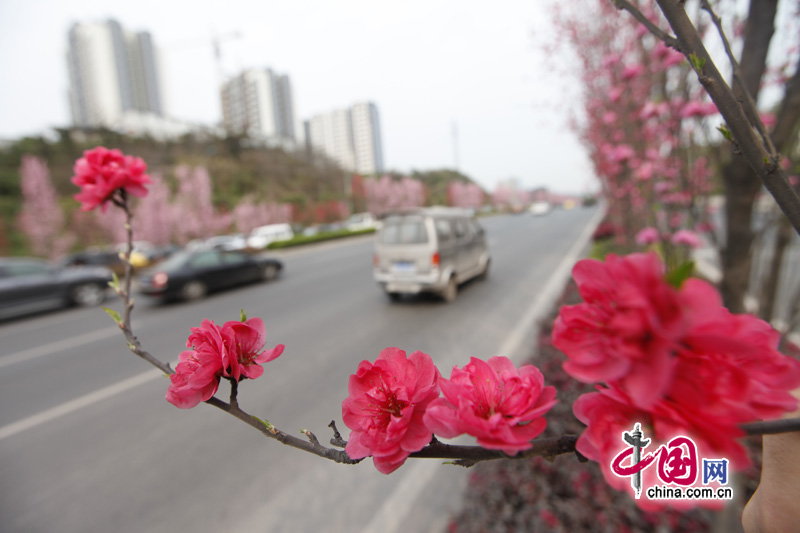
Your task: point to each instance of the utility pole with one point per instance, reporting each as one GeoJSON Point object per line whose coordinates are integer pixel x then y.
{"type": "Point", "coordinates": [455, 143]}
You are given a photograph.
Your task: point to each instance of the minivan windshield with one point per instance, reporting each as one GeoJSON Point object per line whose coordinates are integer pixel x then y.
{"type": "Point", "coordinates": [406, 230]}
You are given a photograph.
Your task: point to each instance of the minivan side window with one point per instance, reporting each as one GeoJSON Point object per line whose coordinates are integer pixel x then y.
{"type": "Point", "coordinates": [444, 231]}
{"type": "Point", "coordinates": [477, 228]}
{"type": "Point", "coordinates": [404, 231]}
{"type": "Point", "coordinates": [463, 230]}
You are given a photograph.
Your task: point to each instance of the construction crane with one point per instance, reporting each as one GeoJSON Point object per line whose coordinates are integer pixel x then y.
{"type": "Point", "coordinates": [216, 44]}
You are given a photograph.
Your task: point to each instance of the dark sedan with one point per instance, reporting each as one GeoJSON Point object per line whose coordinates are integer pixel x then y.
{"type": "Point", "coordinates": [28, 285]}
{"type": "Point", "coordinates": [191, 275]}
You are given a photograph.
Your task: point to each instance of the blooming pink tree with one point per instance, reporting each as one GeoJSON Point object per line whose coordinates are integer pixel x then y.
{"type": "Point", "coordinates": [41, 217]}
{"type": "Point", "coordinates": [155, 219]}
{"type": "Point", "coordinates": [196, 217]}
{"type": "Point", "coordinates": [248, 214]}
{"type": "Point", "coordinates": [386, 194]}
{"type": "Point", "coordinates": [467, 195]}
{"type": "Point", "coordinates": [645, 124]}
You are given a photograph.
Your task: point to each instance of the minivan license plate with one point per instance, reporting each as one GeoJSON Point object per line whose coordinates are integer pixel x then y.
{"type": "Point", "coordinates": [403, 267]}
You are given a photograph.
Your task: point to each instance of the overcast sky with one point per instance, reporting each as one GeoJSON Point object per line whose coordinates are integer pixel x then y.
{"type": "Point", "coordinates": [427, 65]}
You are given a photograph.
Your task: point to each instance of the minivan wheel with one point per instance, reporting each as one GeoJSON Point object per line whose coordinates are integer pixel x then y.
{"type": "Point", "coordinates": [450, 292]}
{"type": "Point", "coordinates": [394, 296]}
{"type": "Point", "coordinates": [88, 294]}
{"type": "Point", "coordinates": [194, 290]}
{"type": "Point", "coordinates": [485, 272]}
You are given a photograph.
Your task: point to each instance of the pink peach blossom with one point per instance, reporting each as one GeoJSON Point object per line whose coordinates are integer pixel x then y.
{"type": "Point", "coordinates": [622, 152]}
{"type": "Point", "coordinates": [229, 351]}
{"type": "Point", "coordinates": [668, 56]}
{"type": "Point", "coordinates": [686, 237]}
{"type": "Point", "coordinates": [697, 109]}
{"type": "Point", "coordinates": [101, 172]}
{"type": "Point", "coordinates": [493, 401]}
{"type": "Point", "coordinates": [195, 380]}
{"type": "Point", "coordinates": [768, 119]}
{"type": "Point", "coordinates": [647, 236]}
{"type": "Point", "coordinates": [386, 405]}
{"type": "Point", "coordinates": [627, 329]}
{"type": "Point", "coordinates": [245, 340]}
{"type": "Point", "coordinates": [631, 71]}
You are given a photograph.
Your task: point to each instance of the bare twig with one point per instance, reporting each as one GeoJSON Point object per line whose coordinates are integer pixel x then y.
{"type": "Point", "coordinates": [668, 39]}
{"type": "Point", "coordinates": [739, 79]}
{"type": "Point", "coordinates": [337, 439]}
{"type": "Point", "coordinates": [125, 293]}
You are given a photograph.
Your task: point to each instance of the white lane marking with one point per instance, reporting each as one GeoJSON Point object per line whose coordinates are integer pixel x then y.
{"type": "Point", "coordinates": [390, 516]}
{"type": "Point", "coordinates": [86, 400]}
{"type": "Point", "coordinates": [61, 345]}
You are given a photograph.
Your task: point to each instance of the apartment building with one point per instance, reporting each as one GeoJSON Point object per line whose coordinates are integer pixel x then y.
{"type": "Point", "coordinates": [113, 74]}
{"type": "Point", "coordinates": [259, 102]}
{"type": "Point", "coordinates": [349, 136]}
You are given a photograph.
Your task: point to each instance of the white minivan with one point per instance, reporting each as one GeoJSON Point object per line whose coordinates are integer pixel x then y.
{"type": "Point", "coordinates": [263, 235]}
{"type": "Point", "coordinates": [429, 250]}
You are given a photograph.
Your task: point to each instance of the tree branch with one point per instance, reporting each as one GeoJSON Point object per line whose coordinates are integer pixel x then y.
{"type": "Point", "coordinates": [739, 80]}
{"type": "Point", "coordinates": [689, 43]}
{"type": "Point", "coordinates": [666, 38]}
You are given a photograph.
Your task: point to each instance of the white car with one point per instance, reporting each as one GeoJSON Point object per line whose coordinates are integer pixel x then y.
{"type": "Point", "coordinates": [261, 237]}
{"type": "Point", "coordinates": [539, 208]}
{"type": "Point", "coordinates": [361, 221]}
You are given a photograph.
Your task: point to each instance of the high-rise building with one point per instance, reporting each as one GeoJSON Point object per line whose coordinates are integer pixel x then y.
{"type": "Point", "coordinates": [350, 136]}
{"type": "Point", "coordinates": [113, 74]}
{"type": "Point", "coordinates": [367, 138]}
{"type": "Point", "coordinates": [258, 102]}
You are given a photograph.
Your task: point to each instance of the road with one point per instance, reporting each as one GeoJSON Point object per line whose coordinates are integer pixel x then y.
{"type": "Point", "coordinates": [88, 443]}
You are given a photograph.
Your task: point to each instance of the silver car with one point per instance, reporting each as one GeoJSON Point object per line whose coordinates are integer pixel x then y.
{"type": "Point", "coordinates": [429, 250]}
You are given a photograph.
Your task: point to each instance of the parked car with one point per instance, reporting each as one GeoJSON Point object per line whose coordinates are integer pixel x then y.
{"type": "Point", "coordinates": [429, 250]}
{"type": "Point", "coordinates": [261, 237]}
{"type": "Point", "coordinates": [28, 285]}
{"type": "Point", "coordinates": [229, 243]}
{"type": "Point", "coordinates": [190, 275]}
{"type": "Point", "coordinates": [539, 208]}
{"type": "Point", "coordinates": [361, 221]}
{"type": "Point", "coordinates": [107, 258]}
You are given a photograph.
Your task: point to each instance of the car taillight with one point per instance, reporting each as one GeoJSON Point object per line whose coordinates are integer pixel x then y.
{"type": "Point", "coordinates": [435, 259]}
{"type": "Point", "coordinates": [160, 279]}
{"type": "Point", "coordinates": [376, 261]}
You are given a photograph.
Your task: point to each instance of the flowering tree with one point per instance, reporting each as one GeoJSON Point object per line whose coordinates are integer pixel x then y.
{"type": "Point", "coordinates": [41, 217]}
{"type": "Point", "coordinates": [248, 215]}
{"type": "Point", "coordinates": [466, 195]}
{"type": "Point", "coordinates": [666, 355]}
{"type": "Point", "coordinates": [386, 194]}
{"type": "Point", "coordinates": [194, 208]}
{"type": "Point", "coordinates": [644, 125]}
{"type": "Point", "coordinates": [155, 217]}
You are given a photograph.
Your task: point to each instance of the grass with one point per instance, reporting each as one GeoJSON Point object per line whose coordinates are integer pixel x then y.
{"type": "Point", "coordinates": [300, 240]}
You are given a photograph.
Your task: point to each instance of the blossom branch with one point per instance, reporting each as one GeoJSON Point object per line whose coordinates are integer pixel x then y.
{"type": "Point", "coordinates": [772, 427]}
{"type": "Point", "coordinates": [739, 79]}
{"type": "Point", "coordinates": [668, 39]}
{"type": "Point", "coordinates": [125, 292]}
{"type": "Point", "coordinates": [739, 128]}
{"type": "Point", "coordinates": [465, 456]}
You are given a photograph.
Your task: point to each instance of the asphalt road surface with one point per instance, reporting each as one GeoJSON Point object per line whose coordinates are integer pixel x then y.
{"type": "Point", "coordinates": [88, 443]}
